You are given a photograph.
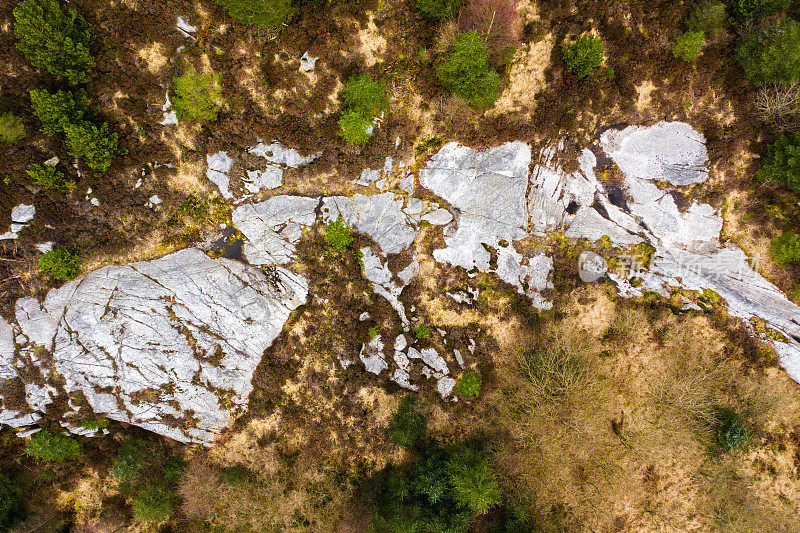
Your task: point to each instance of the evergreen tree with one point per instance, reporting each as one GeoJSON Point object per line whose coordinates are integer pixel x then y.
{"type": "Point", "coordinates": [54, 40]}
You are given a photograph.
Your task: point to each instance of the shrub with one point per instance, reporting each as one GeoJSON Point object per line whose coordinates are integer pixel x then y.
{"type": "Point", "coordinates": [153, 504]}
{"type": "Point", "coordinates": [409, 423]}
{"type": "Point", "coordinates": [472, 480]}
{"type": "Point", "coordinates": [259, 12]}
{"type": "Point", "coordinates": [469, 384]}
{"type": "Point", "coordinates": [781, 161]}
{"type": "Point", "coordinates": [689, 46]}
{"type": "Point", "coordinates": [497, 20]}
{"type": "Point", "coordinates": [553, 373]}
{"type": "Point", "coordinates": [439, 9]}
{"type": "Point", "coordinates": [10, 500]}
{"type": "Point", "coordinates": [468, 74]}
{"type": "Point", "coordinates": [196, 96]}
{"type": "Point", "coordinates": [779, 105]}
{"type": "Point", "coordinates": [59, 109]}
{"type": "Point", "coordinates": [584, 56]}
{"type": "Point", "coordinates": [49, 177]}
{"type": "Point", "coordinates": [12, 130]}
{"type": "Point", "coordinates": [47, 446]}
{"type": "Point", "coordinates": [97, 146]}
{"type": "Point", "coordinates": [54, 40]}
{"type": "Point", "coordinates": [355, 128]}
{"type": "Point", "coordinates": [130, 461]}
{"type": "Point", "coordinates": [709, 17]}
{"type": "Point", "coordinates": [773, 54]}
{"type": "Point", "coordinates": [338, 235]}
{"type": "Point", "coordinates": [365, 96]}
{"type": "Point", "coordinates": [61, 263]}
{"type": "Point", "coordinates": [422, 331]}
{"type": "Point", "coordinates": [785, 249]}
{"type": "Point", "coordinates": [747, 9]}
{"type": "Point", "coordinates": [732, 433]}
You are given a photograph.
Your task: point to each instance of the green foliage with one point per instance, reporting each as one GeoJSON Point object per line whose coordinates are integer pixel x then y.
{"type": "Point", "coordinates": [467, 72]}
{"type": "Point", "coordinates": [196, 96]}
{"type": "Point", "coordinates": [469, 384]}
{"type": "Point", "coordinates": [355, 127]}
{"type": "Point", "coordinates": [131, 459]}
{"type": "Point", "coordinates": [472, 480]}
{"type": "Point", "coordinates": [372, 332]}
{"type": "Point", "coordinates": [584, 56]}
{"type": "Point", "coordinates": [781, 161]}
{"type": "Point", "coordinates": [747, 9]}
{"type": "Point", "coordinates": [10, 502]}
{"type": "Point", "coordinates": [61, 263]}
{"type": "Point", "coordinates": [59, 109]}
{"type": "Point", "coordinates": [93, 424]}
{"type": "Point", "coordinates": [153, 504]}
{"type": "Point", "coordinates": [409, 423]}
{"type": "Point", "coordinates": [49, 177]}
{"type": "Point", "coordinates": [773, 54]}
{"type": "Point", "coordinates": [47, 446]}
{"type": "Point", "coordinates": [68, 113]}
{"type": "Point", "coordinates": [422, 331]}
{"type": "Point", "coordinates": [12, 130]}
{"type": "Point", "coordinates": [259, 12]}
{"type": "Point", "coordinates": [785, 249]}
{"type": "Point", "coordinates": [439, 9]}
{"type": "Point", "coordinates": [97, 146]}
{"type": "Point", "coordinates": [54, 40]}
{"type": "Point", "coordinates": [173, 470]}
{"type": "Point", "coordinates": [440, 492]}
{"type": "Point", "coordinates": [689, 46]}
{"type": "Point", "coordinates": [709, 17]}
{"type": "Point", "coordinates": [364, 95]}
{"type": "Point", "coordinates": [732, 433]}
{"type": "Point", "coordinates": [338, 235]}
{"type": "Point", "coordinates": [363, 100]}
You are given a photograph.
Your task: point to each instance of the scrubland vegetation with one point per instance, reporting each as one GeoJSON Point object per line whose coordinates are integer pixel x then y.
{"type": "Point", "coordinates": [604, 415]}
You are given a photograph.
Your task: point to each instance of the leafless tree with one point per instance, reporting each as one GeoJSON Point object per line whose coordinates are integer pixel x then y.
{"type": "Point", "coordinates": [779, 105]}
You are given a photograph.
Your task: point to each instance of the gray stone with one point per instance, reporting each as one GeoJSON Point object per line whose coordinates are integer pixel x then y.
{"type": "Point", "coordinates": [278, 154]}
{"type": "Point", "coordinates": [272, 228]}
{"type": "Point", "coordinates": [591, 266]}
{"type": "Point", "coordinates": [379, 275]}
{"type": "Point", "coordinates": [21, 215]}
{"type": "Point", "coordinates": [307, 63]}
{"type": "Point", "coordinates": [372, 356]}
{"type": "Point", "coordinates": [219, 165]}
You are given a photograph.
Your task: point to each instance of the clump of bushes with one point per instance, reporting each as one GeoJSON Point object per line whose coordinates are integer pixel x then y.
{"type": "Point", "coordinates": [49, 177]}
{"type": "Point", "coordinates": [585, 55]}
{"type": "Point", "coordinates": [68, 113]}
{"type": "Point", "coordinates": [732, 432]}
{"type": "Point", "coordinates": [439, 9]}
{"type": "Point", "coordinates": [409, 423]}
{"type": "Point", "coordinates": [785, 249]}
{"type": "Point", "coordinates": [709, 17]}
{"type": "Point", "coordinates": [55, 40]}
{"type": "Point", "coordinates": [689, 46]}
{"type": "Point", "coordinates": [781, 161]}
{"type": "Point", "coordinates": [338, 235]}
{"type": "Point", "coordinates": [53, 447]}
{"type": "Point", "coordinates": [148, 478]}
{"type": "Point", "coordinates": [779, 105]}
{"type": "Point", "coordinates": [259, 12]}
{"type": "Point", "coordinates": [469, 384]}
{"type": "Point", "coordinates": [467, 73]}
{"type": "Point", "coordinates": [197, 96]}
{"type": "Point", "coordinates": [498, 21]}
{"type": "Point", "coordinates": [61, 263]}
{"type": "Point", "coordinates": [10, 502]}
{"type": "Point", "coordinates": [773, 54]}
{"type": "Point", "coordinates": [12, 130]}
{"type": "Point", "coordinates": [363, 99]}
{"type": "Point", "coordinates": [748, 9]}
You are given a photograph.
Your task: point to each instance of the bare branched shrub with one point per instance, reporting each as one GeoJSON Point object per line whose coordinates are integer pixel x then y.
{"type": "Point", "coordinates": [445, 36]}
{"type": "Point", "coordinates": [497, 20]}
{"type": "Point", "coordinates": [778, 105]}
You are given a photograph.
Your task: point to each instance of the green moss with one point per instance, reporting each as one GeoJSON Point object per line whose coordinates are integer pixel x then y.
{"type": "Point", "coordinates": [197, 96]}
{"type": "Point", "coordinates": [12, 130]}
{"type": "Point", "coordinates": [421, 331]}
{"type": "Point", "coordinates": [53, 447]}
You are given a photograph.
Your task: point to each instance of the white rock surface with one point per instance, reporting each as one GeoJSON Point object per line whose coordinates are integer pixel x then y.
{"type": "Point", "coordinates": [185, 28]}
{"type": "Point", "coordinates": [170, 116]}
{"type": "Point", "coordinates": [278, 154]}
{"type": "Point", "coordinates": [21, 215]}
{"type": "Point", "coordinates": [274, 227]}
{"type": "Point", "coordinates": [169, 345]}
{"type": "Point", "coordinates": [219, 165]}
{"type": "Point", "coordinates": [307, 63]}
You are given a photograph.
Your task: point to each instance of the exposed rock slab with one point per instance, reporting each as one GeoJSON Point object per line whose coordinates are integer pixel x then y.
{"type": "Point", "coordinates": [169, 345]}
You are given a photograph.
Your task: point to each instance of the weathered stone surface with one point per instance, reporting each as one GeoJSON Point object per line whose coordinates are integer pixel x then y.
{"type": "Point", "coordinates": [377, 272]}
{"type": "Point", "coordinates": [669, 151]}
{"type": "Point", "coordinates": [21, 215]}
{"type": "Point", "coordinates": [219, 164]}
{"type": "Point", "coordinates": [277, 154]}
{"type": "Point", "coordinates": [307, 63]}
{"type": "Point", "coordinates": [6, 351]}
{"type": "Point", "coordinates": [169, 345]}
{"type": "Point", "coordinates": [274, 227]}
{"type": "Point", "coordinates": [372, 356]}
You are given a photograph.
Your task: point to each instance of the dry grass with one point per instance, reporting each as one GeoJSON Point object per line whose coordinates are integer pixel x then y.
{"type": "Point", "coordinates": [615, 429]}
